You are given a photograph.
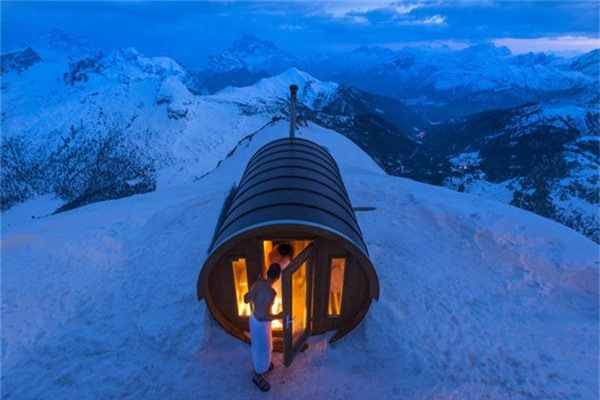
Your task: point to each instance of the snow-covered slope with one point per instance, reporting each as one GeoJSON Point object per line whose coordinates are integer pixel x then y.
{"type": "Point", "coordinates": [88, 126]}
{"type": "Point", "coordinates": [108, 126]}
{"type": "Point", "coordinates": [245, 62]}
{"type": "Point", "coordinates": [588, 64]}
{"type": "Point", "coordinates": [542, 157]}
{"type": "Point", "coordinates": [442, 82]}
{"type": "Point", "coordinates": [19, 60]}
{"type": "Point", "coordinates": [312, 93]}
{"type": "Point", "coordinates": [478, 300]}
{"type": "Point", "coordinates": [385, 128]}
{"type": "Point", "coordinates": [252, 54]}
{"type": "Point", "coordinates": [446, 83]}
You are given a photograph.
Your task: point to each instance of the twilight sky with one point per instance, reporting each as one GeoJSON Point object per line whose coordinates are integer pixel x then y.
{"type": "Point", "coordinates": [189, 31]}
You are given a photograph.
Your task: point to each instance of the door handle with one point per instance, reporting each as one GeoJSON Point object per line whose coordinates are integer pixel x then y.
{"type": "Point", "coordinates": [288, 321]}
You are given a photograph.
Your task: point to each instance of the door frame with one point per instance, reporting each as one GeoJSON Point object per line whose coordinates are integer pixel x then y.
{"type": "Point", "coordinates": [290, 350]}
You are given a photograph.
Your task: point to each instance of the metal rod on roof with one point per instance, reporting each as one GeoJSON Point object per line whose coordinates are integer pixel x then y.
{"type": "Point", "coordinates": [293, 91]}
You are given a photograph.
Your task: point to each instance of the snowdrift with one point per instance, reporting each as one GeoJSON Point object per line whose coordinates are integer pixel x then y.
{"type": "Point", "coordinates": [478, 299]}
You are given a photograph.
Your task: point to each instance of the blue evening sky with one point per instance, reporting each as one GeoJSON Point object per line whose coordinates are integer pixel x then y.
{"type": "Point", "coordinates": [189, 31]}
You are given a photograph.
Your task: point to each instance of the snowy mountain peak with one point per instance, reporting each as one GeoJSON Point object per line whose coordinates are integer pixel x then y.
{"type": "Point", "coordinates": [250, 44]}
{"type": "Point", "coordinates": [18, 61]}
{"type": "Point", "coordinates": [252, 54]}
{"type": "Point", "coordinates": [487, 49]}
{"type": "Point", "coordinates": [296, 76]}
{"type": "Point", "coordinates": [311, 92]}
{"type": "Point", "coordinates": [57, 44]}
{"type": "Point", "coordinates": [60, 40]}
{"type": "Point", "coordinates": [375, 51]}
{"type": "Point", "coordinates": [162, 66]}
{"type": "Point", "coordinates": [532, 58]}
{"type": "Point", "coordinates": [587, 63]}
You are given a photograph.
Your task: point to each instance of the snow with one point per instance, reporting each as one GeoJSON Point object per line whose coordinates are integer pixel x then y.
{"type": "Point", "coordinates": [475, 184]}
{"type": "Point", "coordinates": [465, 161]}
{"type": "Point", "coordinates": [482, 67]}
{"type": "Point", "coordinates": [478, 300]}
{"type": "Point", "coordinates": [311, 92]}
{"type": "Point", "coordinates": [37, 207]}
{"type": "Point", "coordinates": [184, 135]}
{"type": "Point", "coordinates": [253, 54]}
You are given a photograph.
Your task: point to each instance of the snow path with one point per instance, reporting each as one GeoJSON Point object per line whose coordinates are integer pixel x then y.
{"type": "Point", "coordinates": [478, 300]}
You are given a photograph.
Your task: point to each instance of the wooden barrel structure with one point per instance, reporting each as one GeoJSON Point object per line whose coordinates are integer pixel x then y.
{"type": "Point", "coordinates": [290, 205]}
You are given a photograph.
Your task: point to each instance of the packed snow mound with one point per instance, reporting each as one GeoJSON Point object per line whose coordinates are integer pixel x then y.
{"type": "Point", "coordinates": [478, 300]}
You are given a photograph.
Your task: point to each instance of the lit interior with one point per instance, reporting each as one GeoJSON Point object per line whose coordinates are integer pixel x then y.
{"type": "Point", "coordinates": [240, 279]}
{"type": "Point", "coordinates": [269, 257]}
{"type": "Point", "coordinates": [299, 311]}
{"type": "Point", "coordinates": [336, 286]}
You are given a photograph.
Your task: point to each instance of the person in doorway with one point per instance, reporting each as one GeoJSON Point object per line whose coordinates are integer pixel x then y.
{"type": "Point", "coordinates": [282, 255]}
{"type": "Point", "coordinates": [262, 296]}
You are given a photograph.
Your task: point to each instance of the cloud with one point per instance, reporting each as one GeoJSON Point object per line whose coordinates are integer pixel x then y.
{"type": "Point", "coordinates": [404, 8]}
{"type": "Point", "coordinates": [347, 9]}
{"type": "Point", "coordinates": [189, 31]}
{"type": "Point", "coordinates": [290, 27]}
{"type": "Point", "coordinates": [381, 13]}
{"type": "Point", "coordinates": [358, 19]}
{"type": "Point", "coordinates": [565, 44]}
{"type": "Point", "coordinates": [435, 20]}
{"type": "Point", "coordinates": [363, 13]}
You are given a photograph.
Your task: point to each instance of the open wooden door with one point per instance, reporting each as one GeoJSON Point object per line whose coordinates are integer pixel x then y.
{"type": "Point", "coordinates": [296, 281]}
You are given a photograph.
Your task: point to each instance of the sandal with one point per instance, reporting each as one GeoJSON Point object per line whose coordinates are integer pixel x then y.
{"type": "Point", "coordinates": [261, 383]}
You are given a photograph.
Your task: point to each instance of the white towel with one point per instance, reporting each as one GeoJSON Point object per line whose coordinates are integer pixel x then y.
{"type": "Point", "coordinates": [261, 343]}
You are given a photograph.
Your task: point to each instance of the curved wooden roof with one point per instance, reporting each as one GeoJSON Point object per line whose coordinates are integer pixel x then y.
{"type": "Point", "coordinates": [291, 181]}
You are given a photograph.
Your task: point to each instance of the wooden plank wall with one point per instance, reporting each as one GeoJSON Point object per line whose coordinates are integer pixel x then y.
{"type": "Point", "coordinates": [355, 299]}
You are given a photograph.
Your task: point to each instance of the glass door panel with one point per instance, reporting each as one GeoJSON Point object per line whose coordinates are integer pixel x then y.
{"type": "Point", "coordinates": [240, 280]}
{"type": "Point", "coordinates": [271, 254]}
{"type": "Point", "coordinates": [299, 311]}
{"type": "Point", "coordinates": [297, 298]}
{"type": "Point", "coordinates": [336, 286]}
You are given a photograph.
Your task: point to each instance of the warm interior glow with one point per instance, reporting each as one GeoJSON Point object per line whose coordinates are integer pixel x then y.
{"type": "Point", "coordinates": [240, 279]}
{"type": "Point", "coordinates": [299, 311]}
{"type": "Point", "coordinates": [336, 286]}
{"type": "Point", "coordinates": [270, 256]}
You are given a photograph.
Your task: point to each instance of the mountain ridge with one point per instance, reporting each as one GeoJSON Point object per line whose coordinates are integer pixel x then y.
{"type": "Point", "coordinates": [440, 81]}
{"type": "Point", "coordinates": [70, 123]}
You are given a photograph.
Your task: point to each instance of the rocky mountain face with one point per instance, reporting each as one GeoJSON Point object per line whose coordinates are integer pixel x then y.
{"type": "Point", "coordinates": [521, 129]}
{"type": "Point", "coordinates": [19, 61]}
{"type": "Point", "coordinates": [587, 64]}
{"type": "Point", "coordinates": [244, 63]}
{"type": "Point", "coordinates": [93, 127]}
{"type": "Point", "coordinates": [252, 54]}
{"type": "Point", "coordinates": [445, 83]}
{"type": "Point", "coordinates": [383, 127]}
{"type": "Point", "coordinates": [439, 83]}
{"type": "Point", "coordinates": [87, 126]}
{"type": "Point", "coordinates": [542, 157]}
